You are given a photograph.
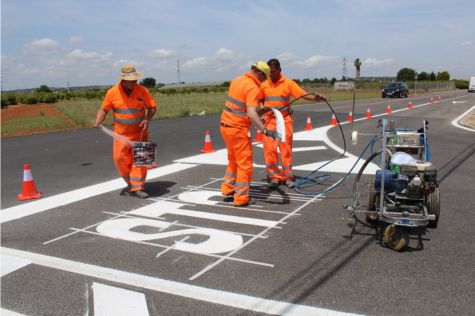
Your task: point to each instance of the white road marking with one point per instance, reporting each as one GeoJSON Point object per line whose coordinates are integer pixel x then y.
{"type": "Point", "coordinates": [218, 241]}
{"type": "Point", "coordinates": [282, 220]}
{"type": "Point", "coordinates": [165, 247]}
{"type": "Point", "coordinates": [166, 207]}
{"type": "Point", "coordinates": [176, 223]}
{"type": "Point", "coordinates": [298, 149]}
{"type": "Point", "coordinates": [241, 301]}
{"type": "Point", "coordinates": [456, 121]}
{"type": "Point", "coordinates": [10, 264]}
{"type": "Point", "coordinates": [6, 312]}
{"type": "Point", "coordinates": [22, 210]}
{"type": "Point", "coordinates": [111, 300]}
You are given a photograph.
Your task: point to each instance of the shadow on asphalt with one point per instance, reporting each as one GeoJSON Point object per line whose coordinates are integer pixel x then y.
{"type": "Point", "coordinates": [456, 162]}
{"type": "Point", "coordinates": [158, 188]}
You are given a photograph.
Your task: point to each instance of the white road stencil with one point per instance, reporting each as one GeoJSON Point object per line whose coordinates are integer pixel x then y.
{"type": "Point", "coordinates": [110, 300]}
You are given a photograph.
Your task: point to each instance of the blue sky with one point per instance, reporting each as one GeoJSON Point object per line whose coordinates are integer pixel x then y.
{"type": "Point", "coordinates": [86, 42]}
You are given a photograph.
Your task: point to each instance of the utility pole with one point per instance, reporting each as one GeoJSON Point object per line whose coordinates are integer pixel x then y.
{"type": "Point", "coordinates": [178, 75]}
{"type": "Point", "coordinates": [344, 73]}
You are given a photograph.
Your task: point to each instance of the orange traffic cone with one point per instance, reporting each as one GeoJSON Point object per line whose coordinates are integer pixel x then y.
{"type": "Point", "coordinates": [259, 137]}
{"type": "Point", "coordinates": [409, 105]}
{"type": "Point", "coordinates": [29, 189]}
{"type": "Point", "coordinates": [207, 147]}
{"type": "Point", "coordinates": [388, 110]}
{"type": "Point", "coordinates": [431, 100]}
{"type": "Point", "coordinates": [308, 126]}
{"type": "Point", "coordinates": [368, 114]}
{"type": "Point", "coordinates": [350, 117]}
{"type": "Point", "coordinates": [439, 99]}
{"type": "Point", "coordinates": [333, 121]}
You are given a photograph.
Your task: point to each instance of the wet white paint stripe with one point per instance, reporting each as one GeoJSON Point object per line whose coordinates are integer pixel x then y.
{"type": "Point", "coordinates": [456, 121]}
{"type": "Point", "coordinates": [171, 287]}
{"type": "Point", "coordinates": [10, 264]}
{"type": "Point", "coordinates": [110, 300]}
{"type": "Point", "coordinates": [298, 149]}
{"type": "Point", "coordinates": [22, 210]}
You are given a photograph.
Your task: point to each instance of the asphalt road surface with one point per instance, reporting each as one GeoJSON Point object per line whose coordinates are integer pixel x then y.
{"type": "Point", "coordinates": [83, 249]}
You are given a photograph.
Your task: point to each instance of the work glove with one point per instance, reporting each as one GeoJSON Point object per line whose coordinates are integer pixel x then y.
{"type": "Point", "coordinates": [263, 110]}
{"type": "Point", "coordinates": [270, 133]}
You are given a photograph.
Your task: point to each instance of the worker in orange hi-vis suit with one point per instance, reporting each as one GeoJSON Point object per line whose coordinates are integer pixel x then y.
{"type": "Point", "coordinates": [133, 108]}
{"type": "Point", "coordinates": [277, 93]}
{"type": "Point", "coordinates": [239, 112]}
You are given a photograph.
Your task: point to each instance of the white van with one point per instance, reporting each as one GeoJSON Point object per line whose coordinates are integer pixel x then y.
{"type": "Point", "coordinates": [471, 85]}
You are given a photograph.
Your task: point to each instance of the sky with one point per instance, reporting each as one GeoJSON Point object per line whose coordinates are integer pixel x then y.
{"type": "Point", "coordinates": [85, 42]}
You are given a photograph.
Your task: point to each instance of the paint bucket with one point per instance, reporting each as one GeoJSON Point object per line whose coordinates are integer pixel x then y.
{"type": "Point", "coordinates": [145, 154]}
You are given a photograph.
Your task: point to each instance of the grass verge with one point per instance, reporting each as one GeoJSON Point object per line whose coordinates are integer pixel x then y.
{"type": "Point", "coordinates": [33, 125]}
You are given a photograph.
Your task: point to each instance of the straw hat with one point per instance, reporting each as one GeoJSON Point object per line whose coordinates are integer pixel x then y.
{"type": "Point", "coordinates": [129, 73]}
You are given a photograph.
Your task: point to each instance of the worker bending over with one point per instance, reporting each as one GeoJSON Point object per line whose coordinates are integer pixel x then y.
{"type": "Point", "coordinates": [133, 108]}
{"type": "Point", "coordinates": [277, 93]}
{"type": "Point", "coordinates": [239, 112]}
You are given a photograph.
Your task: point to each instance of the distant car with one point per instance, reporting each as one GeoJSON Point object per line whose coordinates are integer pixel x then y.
{"type": "Point", "coordinates": [471, 85]}
{"type": "Point", "coordinates": [396, 90]}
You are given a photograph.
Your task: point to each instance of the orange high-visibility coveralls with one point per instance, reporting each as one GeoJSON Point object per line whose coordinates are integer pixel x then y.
{"type": "Point", "coordinates": [129, 111]}
{"type": "Point", "coordinates": [244, 91]}
{"type": "Point", "coordinates": [277, 95]}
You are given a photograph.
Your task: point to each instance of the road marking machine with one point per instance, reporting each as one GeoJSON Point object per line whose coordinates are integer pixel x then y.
{"type": "Point", "coordinates": [404, 196]}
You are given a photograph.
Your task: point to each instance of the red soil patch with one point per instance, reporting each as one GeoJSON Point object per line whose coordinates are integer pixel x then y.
{"type": "Point", "coordinates": [35, 110]}
{"type": "Point", "coordinates": [23, 110]}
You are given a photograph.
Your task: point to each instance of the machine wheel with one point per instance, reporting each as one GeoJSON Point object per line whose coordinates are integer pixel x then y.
{"type": "Point", "coordinates": [396, 237]}
{"type": "Point", "coordinates": [371, 218]}
{"type": "Point", "coordinates": [433, 206]}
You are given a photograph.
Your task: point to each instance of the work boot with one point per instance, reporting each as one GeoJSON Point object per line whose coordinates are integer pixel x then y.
{"type": "Point", "coordinates": [125, 191]}
{"type": "Point", "coordinates": [274, 183]}
{"type": "Point", "coordinates": [250, 202]}
{"type": "Point", "coordinates": [140, 194]}
{"type": "Point", "coordinates": [289, 183]}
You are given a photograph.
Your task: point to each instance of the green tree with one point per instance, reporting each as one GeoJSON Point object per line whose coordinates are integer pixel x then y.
{"type": "Point", "coordinates": [443, 76]}
{"type": "Point", "coordinates": [406, 74]}
{"type": "Point", "coordinates": [423, 76]}
{"type": "Point", "coordinates": [148, 82]}
{"type": "Point", "coordinates": [44, 88]}
{"type": "Point", "coordinates": [357, 63]}
{"type": "Point", "coordinates": [432, 76]}
{"type": "Point", "coordinates": [333, 80]}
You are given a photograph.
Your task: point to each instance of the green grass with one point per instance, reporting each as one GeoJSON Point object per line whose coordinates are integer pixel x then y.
{"type": "Point", "coordinates": [29, 125]}
{"type": "Point", "coordinates": [83, 111]}
{"type": "Point", "coordinates": [182, 105]}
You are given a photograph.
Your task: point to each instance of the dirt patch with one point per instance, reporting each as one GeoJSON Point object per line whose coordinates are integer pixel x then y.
{"type": "Point", "coordinates": [24, 110]}
{"type": "Point", "coordinates": [25, 119]}
{"type": "Point", "coordinates": [469, 120]}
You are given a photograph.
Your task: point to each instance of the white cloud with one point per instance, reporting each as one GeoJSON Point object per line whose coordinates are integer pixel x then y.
{"type": "Point", "coordinates": [224, 53]}
{"type": "Point", "coordinates": [285, 57]}
{"type": "Point", "coordinates": [162, 53]}
{"type": "Point", "coordinates": [44, 45]}
{"type": "Point", "coordinates": [78, 54]}
{"type": "Point", "coordinates": [369, 62]}
{"type": "Point", "coordinates": [122, 62]}
{"type": "Point", "coordinates": [466, 43]}
{"type": "Point", "coordinates": [317, 60]}
{"type": "Point", "coordinates": [198, 61]}
{"type": "Point", "coordinates": [224, 59]}
{"type": "Point", "coordinates": [75, 40]}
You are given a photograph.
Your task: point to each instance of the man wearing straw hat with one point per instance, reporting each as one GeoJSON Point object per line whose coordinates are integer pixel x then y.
{"type": "Point", "coordinates": [133, 107]}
